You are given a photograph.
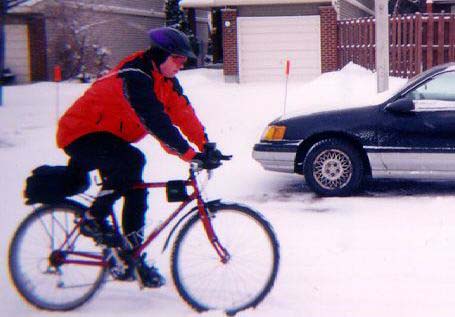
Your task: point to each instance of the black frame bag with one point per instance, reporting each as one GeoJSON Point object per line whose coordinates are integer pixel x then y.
{"type": "Point", "coordinates": [176, 191]}
{"type": "Point", "coordinates": [49, 184]}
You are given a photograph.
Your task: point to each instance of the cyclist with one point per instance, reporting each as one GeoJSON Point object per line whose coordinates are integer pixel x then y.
{"type": "Point", "coordinates": [138, 97]}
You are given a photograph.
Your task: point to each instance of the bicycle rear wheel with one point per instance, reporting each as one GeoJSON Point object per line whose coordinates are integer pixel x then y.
{"type": "Point", "coordinates": [38, 253]}
{"type": "Point", "coordinates": [204, 282]}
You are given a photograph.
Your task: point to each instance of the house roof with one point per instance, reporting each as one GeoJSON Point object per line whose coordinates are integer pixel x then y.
{"type": "Point", "coordinates": [28, 7]}
{"type": "Point", "coordinates": [222, 3]}
{"type": "Point", "coordinates": [26, 3]}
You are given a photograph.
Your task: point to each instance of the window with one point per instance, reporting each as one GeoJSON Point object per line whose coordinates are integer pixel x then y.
{"type": "Point", "coordinates": [440, 87]}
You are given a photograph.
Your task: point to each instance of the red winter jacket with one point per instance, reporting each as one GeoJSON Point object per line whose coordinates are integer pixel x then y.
{"type": "Point", "coordinates": [135, 99]}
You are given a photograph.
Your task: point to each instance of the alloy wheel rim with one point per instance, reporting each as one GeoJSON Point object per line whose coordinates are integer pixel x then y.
{"type": "Point", "coordinates": [332, 169]}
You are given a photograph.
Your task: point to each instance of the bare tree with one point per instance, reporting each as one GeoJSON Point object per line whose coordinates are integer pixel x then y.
{"type": "Point", "coordinates": [396, 7]}
{"type": "Point", "coordinates": [77, 49]}
{"type": "Point", "coordinates": [405, 6]}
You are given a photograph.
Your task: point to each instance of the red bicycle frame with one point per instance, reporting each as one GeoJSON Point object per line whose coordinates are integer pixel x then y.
{"type": "Point", "coordinates": [195, 195]}
{"type": "Point", "coordinates": [91, 259]}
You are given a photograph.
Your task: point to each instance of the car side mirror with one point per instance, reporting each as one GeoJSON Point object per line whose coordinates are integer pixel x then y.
{"type": "Point", "coordinates": [400, 106]}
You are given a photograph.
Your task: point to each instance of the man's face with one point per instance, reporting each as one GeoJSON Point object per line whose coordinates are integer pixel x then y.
{"type": "Point", "coordinates": [172, 65]}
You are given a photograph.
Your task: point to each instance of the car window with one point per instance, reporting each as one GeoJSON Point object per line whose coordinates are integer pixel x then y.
{"type": "Point", "coordinates": [439, 88]}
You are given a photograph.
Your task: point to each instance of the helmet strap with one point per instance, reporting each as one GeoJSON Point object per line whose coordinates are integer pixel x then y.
{"type": "Point", "coordinates": [155, 67]}
{"type": "Point", "coordinates": [159, 56]}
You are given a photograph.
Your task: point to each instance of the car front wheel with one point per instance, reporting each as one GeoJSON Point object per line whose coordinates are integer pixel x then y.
{"type": "Point", "coordinates": [333, 167]}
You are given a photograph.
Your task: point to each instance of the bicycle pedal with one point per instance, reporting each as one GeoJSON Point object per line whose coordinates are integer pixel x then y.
{"type": "Point", "coordinates": [119, 266]}
{"type": "Point", "coordinates": [103, 240]}
{"type": "Point", "coordinates": [126, 276]}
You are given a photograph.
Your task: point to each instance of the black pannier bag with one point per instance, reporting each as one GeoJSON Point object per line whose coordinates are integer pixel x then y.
{"type": "Point", "coordinates": [176, 191]}
{"type": "Point", "coordinates": [49, 184]}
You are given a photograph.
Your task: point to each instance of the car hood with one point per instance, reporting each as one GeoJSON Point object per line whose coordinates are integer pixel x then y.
{"type": "Point", "coordinates": [350, 120]}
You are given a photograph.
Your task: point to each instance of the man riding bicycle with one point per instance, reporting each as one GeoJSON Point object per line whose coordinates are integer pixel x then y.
{"type": "Point", "coordinates": [138, 97]}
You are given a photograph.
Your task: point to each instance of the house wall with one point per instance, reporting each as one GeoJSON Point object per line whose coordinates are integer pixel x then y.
{"type": "Point", "coordinates": [157, 5]}
{"type": "Point", "coordinates": [121, 35]}
{"type": "Point", "coordinates": [119, 26]}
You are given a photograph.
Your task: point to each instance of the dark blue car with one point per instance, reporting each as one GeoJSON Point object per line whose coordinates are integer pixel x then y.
{"type": "Point", "coordinates": [411, 135]}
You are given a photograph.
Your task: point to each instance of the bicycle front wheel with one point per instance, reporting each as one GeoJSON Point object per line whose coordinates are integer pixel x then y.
{"type": "Point", "coordinates": [204, 282]}
{"type": "Point", "coordinates": [52, 266]}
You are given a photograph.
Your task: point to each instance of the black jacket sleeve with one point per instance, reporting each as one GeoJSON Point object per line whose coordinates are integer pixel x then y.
{"type": "Point", "coordinates": [138, 89]}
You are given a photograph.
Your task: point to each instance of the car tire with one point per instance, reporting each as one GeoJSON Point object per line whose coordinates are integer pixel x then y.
{"type": "Point", "coordinates": [333, 167]}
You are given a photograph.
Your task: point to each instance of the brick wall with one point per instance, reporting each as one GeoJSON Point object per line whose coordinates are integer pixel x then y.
{"type": "Point", "coordinates": [38, 54]}
{"type": "Point", "coordinates": [229, 24]}
{"type": "Point", "coordinates": [328, 39]}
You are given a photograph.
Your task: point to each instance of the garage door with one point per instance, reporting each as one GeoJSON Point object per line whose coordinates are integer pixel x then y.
{"type": "Point", "coordinates": [17, 51]}
{"type": "Point", "coordinates": [265, 43]}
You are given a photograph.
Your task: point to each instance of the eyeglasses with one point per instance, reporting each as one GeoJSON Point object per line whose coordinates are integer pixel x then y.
{"type": "Point", "coordinates": [179, 60]}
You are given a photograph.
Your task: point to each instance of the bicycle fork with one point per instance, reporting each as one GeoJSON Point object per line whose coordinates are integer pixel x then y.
{"type": "Point", "coordinates": [211, 235]}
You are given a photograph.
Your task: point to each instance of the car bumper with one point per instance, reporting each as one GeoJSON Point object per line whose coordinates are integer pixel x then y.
{"type": "Point", "coordinates": [278, 157]}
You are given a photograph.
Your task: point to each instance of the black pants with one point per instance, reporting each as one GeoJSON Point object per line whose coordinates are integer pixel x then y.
{"type": "Point", "coordinates": [121, 165]}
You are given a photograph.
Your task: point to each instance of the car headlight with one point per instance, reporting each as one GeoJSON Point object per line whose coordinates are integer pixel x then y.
{"type": "Point", "coordinates": [273, 133]}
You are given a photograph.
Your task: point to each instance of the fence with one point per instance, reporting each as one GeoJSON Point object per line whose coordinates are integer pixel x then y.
{"type": "Point", "coordinates": [417, 42]}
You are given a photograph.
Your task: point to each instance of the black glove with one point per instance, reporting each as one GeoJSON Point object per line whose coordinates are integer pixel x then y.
{"type": "Point", "coordinates": [208, 160]}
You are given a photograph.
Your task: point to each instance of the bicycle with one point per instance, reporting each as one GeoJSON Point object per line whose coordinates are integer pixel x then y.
{"type": "Point", "coordinates": [225, 256]}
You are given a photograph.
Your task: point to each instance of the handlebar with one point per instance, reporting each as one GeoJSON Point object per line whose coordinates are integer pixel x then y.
{"type": "Point", "coordinates": [198, 165]}
{"type": "Point", "coordinates": [212, 158]}
{"type": "Point", "coordinates": [225, 157]}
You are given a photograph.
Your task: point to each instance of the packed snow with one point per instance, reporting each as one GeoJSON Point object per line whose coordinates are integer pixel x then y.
{"type": "Point", "coordinates": [385, 252]}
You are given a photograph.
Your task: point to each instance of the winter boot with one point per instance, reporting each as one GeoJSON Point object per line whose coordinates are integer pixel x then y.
{"type": "Point", "coordinates": [149, 275]}
{"type": "Point", "coordinates": [100, 230]}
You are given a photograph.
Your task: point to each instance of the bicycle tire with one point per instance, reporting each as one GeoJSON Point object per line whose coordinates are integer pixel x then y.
{"type": "Point", "coordinates": [200, 277]}
{"type": "Point", "coordinates": [38, 281]}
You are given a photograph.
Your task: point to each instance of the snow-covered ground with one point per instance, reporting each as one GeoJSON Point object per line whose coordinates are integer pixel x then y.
{"type": "Point", "coordinates": [386, 252]}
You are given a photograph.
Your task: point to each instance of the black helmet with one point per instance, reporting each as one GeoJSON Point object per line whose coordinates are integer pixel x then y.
{"type": "Point", "coordinates": [172, 41]}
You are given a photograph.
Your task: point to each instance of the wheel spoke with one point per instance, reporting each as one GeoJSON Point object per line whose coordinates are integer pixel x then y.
{"type": "Point", "coordinates": [204, 282]}
{"type": "Point", "coordinates": [332, 169]}
{"type": "Point", "coordinates": [42, 281]}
